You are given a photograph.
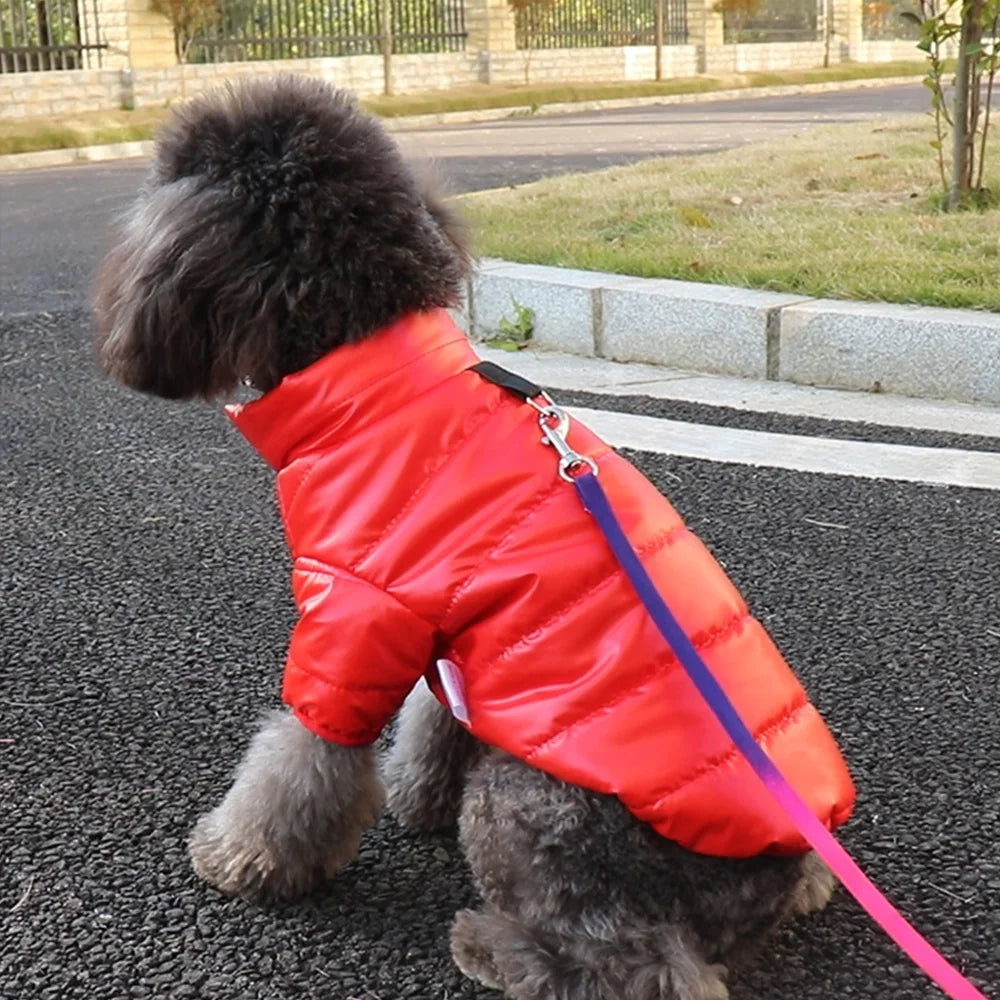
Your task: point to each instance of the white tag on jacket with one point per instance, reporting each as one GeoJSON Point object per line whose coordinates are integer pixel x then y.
{"type": "Point", "coordinates": [454, 689]}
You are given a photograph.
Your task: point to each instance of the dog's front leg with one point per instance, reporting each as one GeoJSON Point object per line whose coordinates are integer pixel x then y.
{"type": "Point", "coordinates": [294, 814]}
{"type": "Point", "coordinates": [426, 768]}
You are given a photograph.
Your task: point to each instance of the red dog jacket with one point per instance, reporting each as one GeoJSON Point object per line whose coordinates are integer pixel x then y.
{"type": "Point", "coordinates": [427, 520]}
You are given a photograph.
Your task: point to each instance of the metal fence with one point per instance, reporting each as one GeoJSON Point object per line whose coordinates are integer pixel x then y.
{"type": "Point", "coordinates": [773, 21]}
{"type": "Point", "coordinates": [48, 34]}
{"type": "Point", "coordinates": [564, 24]}
{"type": "Point", "coordinates": [881, 20]}
{"type": "Point", "coordinates": [301, 29]}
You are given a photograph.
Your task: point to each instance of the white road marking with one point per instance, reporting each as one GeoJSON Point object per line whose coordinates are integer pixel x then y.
{"type": "Point", "coordinates": [565, 371]}
{"type": "Point", "coordinates": [831, 456]}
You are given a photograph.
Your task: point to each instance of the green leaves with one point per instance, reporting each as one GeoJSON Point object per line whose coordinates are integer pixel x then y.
{"type": "Point", "coordinates": [514, 334]}
{"type": "Point", "coordinates": [693, 217]}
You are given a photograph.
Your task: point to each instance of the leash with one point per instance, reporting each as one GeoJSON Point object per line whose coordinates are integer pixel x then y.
{"type": "Point", "coordinates": [582, 472]}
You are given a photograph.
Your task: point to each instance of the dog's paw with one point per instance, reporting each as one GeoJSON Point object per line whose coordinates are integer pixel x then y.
{"type": "Point", "coordinates": [472, 950]}
{"type": "Point", "coordinates": [713, 984]}
{"type": "Point", "coordinates": [815, 887]}
{"type": "Point", "coordinates": [246, 865]}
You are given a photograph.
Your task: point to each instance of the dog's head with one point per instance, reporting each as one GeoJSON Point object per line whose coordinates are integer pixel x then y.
{"type": "Point", "coordinates": [279, 221]}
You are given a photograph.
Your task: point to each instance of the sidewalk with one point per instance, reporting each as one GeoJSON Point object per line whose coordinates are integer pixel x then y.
{"type": "Point", "coordinates": [916, 351]}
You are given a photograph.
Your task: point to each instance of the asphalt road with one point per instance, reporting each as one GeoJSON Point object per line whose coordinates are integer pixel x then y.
{"type": "Point", "coordinates": [54, 223]}
{"type": "Point", "coordinates": [144, 610]}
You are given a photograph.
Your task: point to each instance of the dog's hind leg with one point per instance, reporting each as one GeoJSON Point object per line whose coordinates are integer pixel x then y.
{"type": "Point", "coordinates": [651, 963]}
{"type": "Point", "coordinates": [294, 815]}
{"type": "Point", "coordinates": [426, 768]}
{"type": "Point", "coordinates": [582, 901]}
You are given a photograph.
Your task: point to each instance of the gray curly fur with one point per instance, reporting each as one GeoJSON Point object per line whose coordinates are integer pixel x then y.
{"type": "Point", "coordinates": [279, 222]}
{"type": "Point", "coordinates": [583, 902]}
{"type": "Point", "coordinates": [425, 772]}
{"type": "Point", "coordinates": [294, 815]}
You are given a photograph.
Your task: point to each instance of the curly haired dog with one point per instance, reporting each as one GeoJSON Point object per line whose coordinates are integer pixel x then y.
{"type": "Point", "coordinates": [282, 242]}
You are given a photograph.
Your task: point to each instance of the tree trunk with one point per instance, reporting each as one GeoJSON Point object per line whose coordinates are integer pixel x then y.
{"type": "Point", "coordinates": [827, 31]}
{"type": "Point", "coordinates": [966, 102]}
{"type": "Point", "coordinates": [659, 39]}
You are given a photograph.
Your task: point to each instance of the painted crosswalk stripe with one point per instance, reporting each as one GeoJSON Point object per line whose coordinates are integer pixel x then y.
{"type": "Point", "coordinates": [832, 456]}
{"type": "Point", "coordinates": [611, 378]}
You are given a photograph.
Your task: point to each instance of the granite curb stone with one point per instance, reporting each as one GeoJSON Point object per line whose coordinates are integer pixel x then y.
{"type": "Point", "coordinates": [903, 349]}
{"type": "Point", "coordinates": [41, 158]}
{"type": "Point", "coordinates": [919, 351]}
{"type": "Point", "coordinates": [683, 324]}
{"type": "Point", "coordinates": [675, 324]}
{"type": "Point", "coordinates": [565, 303]}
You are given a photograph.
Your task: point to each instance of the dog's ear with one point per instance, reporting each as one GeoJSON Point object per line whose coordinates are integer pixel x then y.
{"type": "Point", "coordinates": [173, 299]}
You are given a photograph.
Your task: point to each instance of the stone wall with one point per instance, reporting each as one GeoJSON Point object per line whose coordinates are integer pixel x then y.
{"type": "Point", "coordinates": [764, 57]}
{"type": "Point", "coordinates": [636, 62]}
{"type": "Point", "coordinates": [895, 51]}
{"type": "Point", "coordinates": [63, 92]}
{"type": "Point", "coordinates": [35, 95]}
{"type": "Point", "coordinates": [136, 36]}
{"type": "Point", "coordinates": [362, 74]}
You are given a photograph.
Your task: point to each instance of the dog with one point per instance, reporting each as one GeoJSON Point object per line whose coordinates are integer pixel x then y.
{"type": "Point", "coordinates": [282, 244]}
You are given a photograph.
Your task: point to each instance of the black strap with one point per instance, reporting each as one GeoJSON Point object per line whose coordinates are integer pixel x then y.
{"type": "Point", "coordinates": [515, 384]}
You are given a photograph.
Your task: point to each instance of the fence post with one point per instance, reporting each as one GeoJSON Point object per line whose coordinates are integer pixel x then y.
{"type": "Point", "coordinates": [705, 30]}
{"type": "Point", "coordinates": [137, 37]}
{"type": "Point", "coordinates": [847, 29]}
{"type": "Point", "coordinates": [385, 15]}
{"type": "Point", "coordinates": [491, 26]}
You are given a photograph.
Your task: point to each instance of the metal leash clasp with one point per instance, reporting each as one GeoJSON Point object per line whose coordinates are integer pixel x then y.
{"type": "Point", "coordinates": [554, 421]}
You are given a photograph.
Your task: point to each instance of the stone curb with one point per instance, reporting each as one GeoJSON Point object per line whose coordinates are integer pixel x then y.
{"type": "Point", "coordinates": [918, 351]}
{"type": "Point", "coordinates": [79, 154]}
{"type": "Point", "coordinates": [10, 162]}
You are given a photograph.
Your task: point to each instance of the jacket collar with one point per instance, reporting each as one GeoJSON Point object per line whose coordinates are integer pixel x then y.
{"type": "Point", "coordinates": [318, 400]}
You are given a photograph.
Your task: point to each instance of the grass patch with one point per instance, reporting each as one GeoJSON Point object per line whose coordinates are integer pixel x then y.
{"type": "Point", "coordinates": [483, 96]}
{"type": "Point", "coordinates": [97, 128]}
{"type": "Point", "coordinates": [29, 135]}
{"type": "Point", "coordinates": [843, 211]}
{"type": "Point", "coordinates": [494, 96]}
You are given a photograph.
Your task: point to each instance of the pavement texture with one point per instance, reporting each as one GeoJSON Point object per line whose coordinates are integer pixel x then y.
{"type": "Point", "coordinates": [144, 611]}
